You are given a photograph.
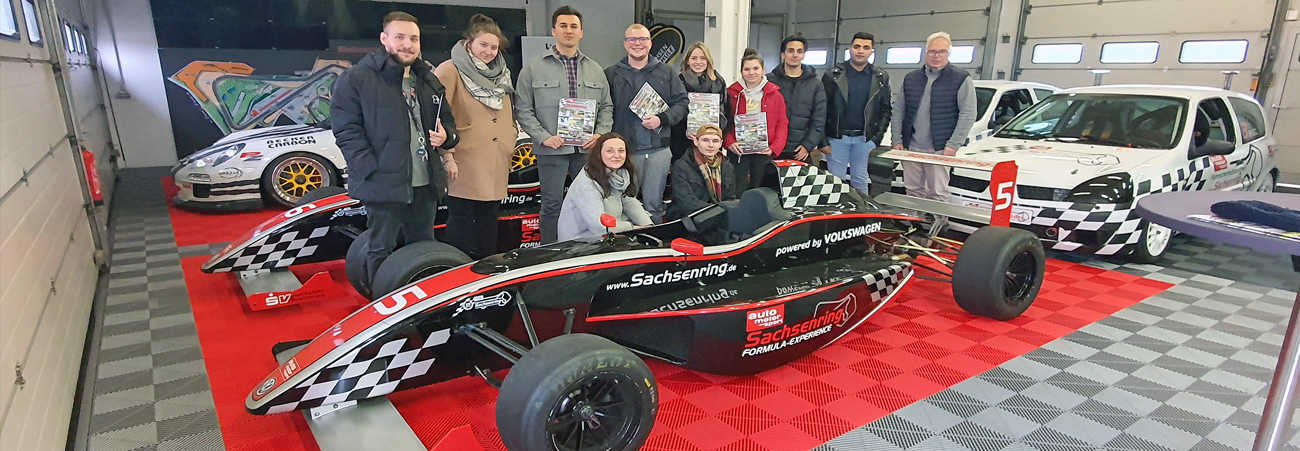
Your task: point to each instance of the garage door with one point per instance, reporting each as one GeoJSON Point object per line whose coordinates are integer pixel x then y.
{"type": "Point", "coordinates": [1145, 41]}
{"type": "Point", "coordinates": [901, 28]}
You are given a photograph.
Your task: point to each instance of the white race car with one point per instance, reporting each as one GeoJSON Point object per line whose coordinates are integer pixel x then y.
{"type": "Point", "coordinates": [275, 166]}
{"type": "Point", "coordinates": [1086, 155]}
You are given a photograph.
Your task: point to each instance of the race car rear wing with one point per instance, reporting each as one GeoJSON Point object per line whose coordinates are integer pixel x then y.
{"type": "Point", "coordinates": [1002, 183]}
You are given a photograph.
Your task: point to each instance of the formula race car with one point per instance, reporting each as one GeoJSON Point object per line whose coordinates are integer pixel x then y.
{"type": "Point", "coordinates": [736, 288]}
{"type": "Point", "coordinates": [1087, 155]}
{"type": "Point", "coordinates": [277, 166]}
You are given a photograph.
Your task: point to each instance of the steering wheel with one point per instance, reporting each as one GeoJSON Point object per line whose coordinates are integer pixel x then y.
{"type": "Point", "coordinates": [648, 240]}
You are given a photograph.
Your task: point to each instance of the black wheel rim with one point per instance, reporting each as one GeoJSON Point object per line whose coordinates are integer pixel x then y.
{"type": "Point", "coordinates": [1022, 275]}
{"type": "Point", "coordinates": [600, 412]}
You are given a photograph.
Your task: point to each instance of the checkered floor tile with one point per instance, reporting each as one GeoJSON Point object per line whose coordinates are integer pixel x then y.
{"type": "Point", "coordinates": [1184, 370]}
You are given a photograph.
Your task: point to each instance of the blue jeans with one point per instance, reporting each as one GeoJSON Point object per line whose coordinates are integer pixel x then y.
{"type": "Point", "coordinates": [850, 153]}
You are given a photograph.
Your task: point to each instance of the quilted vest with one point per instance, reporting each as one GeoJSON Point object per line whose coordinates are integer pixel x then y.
{"type": "Point", "coordinates": [943, 103]}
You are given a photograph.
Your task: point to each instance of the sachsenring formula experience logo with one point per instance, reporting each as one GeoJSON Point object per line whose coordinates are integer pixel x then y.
{"type": "Point", "coordinates": [767, 340]}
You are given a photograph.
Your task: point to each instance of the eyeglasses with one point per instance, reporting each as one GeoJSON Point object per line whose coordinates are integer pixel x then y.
{"type": "Point", "coordinates": [936, 52]}
{"type": "Point", "coordinates": [636, 39]}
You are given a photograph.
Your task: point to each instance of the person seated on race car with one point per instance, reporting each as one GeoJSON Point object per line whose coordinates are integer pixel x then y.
{"type": "Point", "coordinates": [606, 185]}
{"type": "Point", "coordinates": [702, 176]}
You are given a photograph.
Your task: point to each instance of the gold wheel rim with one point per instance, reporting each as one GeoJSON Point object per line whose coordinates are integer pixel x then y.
{"type": "Point", "coordinates": [523, 157]}
{"type": "Point", "coordinates": [298, 177]}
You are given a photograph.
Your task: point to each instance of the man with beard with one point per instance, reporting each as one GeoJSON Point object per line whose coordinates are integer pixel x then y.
{"type": "Point", "coordinates": [858, 110]}
{"type": "Point", "coordinates": [388, 119]}
{"type": "Point", "coordinates": [805, 100]}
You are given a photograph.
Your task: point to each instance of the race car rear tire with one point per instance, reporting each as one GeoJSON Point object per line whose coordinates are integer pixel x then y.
{"type": "Point", "coordinates": [355, 264]}
{"type": "Point", "coordinates": [309, 172]}
{"type": "Point", "coordinates": [320, 193]}
{"type": "Point", "coordinates": [998, 272]}
{"type": "Point", "coordinates": [1153, 243]}
{"type": "Point", "coordinates": [577, 379]}
{"type": "Point", "coordinates": [413, 262]}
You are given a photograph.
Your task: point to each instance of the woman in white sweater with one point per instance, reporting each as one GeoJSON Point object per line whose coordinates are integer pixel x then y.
{"type": "Point", "coordinates": [606, 185]}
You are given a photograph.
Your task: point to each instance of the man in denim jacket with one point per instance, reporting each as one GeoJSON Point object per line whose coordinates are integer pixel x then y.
{"type": "Point", "coordinates": [563, 73]}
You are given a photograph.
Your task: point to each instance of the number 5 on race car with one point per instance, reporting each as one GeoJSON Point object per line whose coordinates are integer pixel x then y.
{"type": "Point", "coordinates": [1003, 184]}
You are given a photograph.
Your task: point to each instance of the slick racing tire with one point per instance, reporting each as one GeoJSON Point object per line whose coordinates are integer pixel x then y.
{"type": "Point", "coordinates": [319, 193]}
{"type": "Point", "coordinates": [1153, 243]}
{"type": "Point", "coordinates": [998, 272]}
{"type": "Point", "coordinates": [577, 392]}
{"type": "Point", "coordinates": [355, 264]}
{"type": "Point", "coordinates": [292, 175]}
{"type": "Point", "coordinates": [413, 262]}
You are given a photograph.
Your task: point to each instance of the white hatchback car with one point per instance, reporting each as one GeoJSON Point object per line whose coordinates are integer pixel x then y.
{"type": "Point", "coordinates": [1086, 155]}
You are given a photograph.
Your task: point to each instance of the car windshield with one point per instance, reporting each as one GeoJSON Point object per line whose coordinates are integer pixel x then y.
{"type": "Point", "coordinates": [1121, 120]}
{"type": "Point", "coordinates": [983, 97]}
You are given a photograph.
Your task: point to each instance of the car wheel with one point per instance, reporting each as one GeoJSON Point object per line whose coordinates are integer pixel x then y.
{"type": "Point", "coordinates": [577, 392]}
{"type": "Point", "coordinates": [355, 264]}
{"type": "Point", "coordinates": [998, 272]}
{"type": "Point", "coordinates": [1152, 245]}
{"type": "Point", "coordinates": [413, 262]}
{"type": "Point", "coordinates": [319, 193]}
{"type": "Point", "coordinates": [523, 155]}
{"type": "Point", "coordinates": [292, 175]}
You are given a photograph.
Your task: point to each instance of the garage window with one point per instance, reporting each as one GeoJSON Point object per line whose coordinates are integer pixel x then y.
{"type": "Point", "coordinates": [903, 55]}
{"type": "Point", "coordinates": [870, 59]}
{"type": "Point", "coordinates": [33, 27]}
{"type": "Point", "coordinates": [1057, 54]}
{"type": "Point", "coordinates": [1129, 52]}
{"type": "Point", "coordinates": [81, 43]}
{"type": "Point", "coordinates": [1250, 120]}
{"type": "Point", "coordinates": [1213, 51]}
{"type": "Point", "coordinates": [962, 54]}
{"type": "Point", "coordinates": [815, 57]}
{"type": "Point", "coordinates": [69, 41]}
{"type": "Point", "coordinates": [8, 21]}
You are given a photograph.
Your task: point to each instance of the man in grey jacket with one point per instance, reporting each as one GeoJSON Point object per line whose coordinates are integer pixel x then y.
{"type": "Point", "coordinates": [932, 113]}
{"type": "Point", "coordinates": [649, 136]}
{"type": "Point", "coordinates": [563, 73]}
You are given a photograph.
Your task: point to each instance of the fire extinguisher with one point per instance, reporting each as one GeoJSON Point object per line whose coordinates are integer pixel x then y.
{"type": "Point", "coordinates": [92, 176]}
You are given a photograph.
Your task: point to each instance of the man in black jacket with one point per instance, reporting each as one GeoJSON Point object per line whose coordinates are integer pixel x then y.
{"type": "Point", "coordinates": [388, 119]}
{"type": "Point", "coordinates": [650, 135]}
{"type": "Point", "coordinates": [805, 99]}
{"type": "Point", "coordinates": [857, 111]}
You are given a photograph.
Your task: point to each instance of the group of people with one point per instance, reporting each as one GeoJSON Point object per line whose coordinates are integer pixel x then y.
{"type": "Point", "coordinates": [413, 133]}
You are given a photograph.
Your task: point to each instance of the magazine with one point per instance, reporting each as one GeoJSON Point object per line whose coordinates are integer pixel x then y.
{"type": "Point", "coordinates": [705, 108]}
{"type": "Point", "coordinates": [577, 121]}
{"type": "Point", "coordinates": [751, 132]}
{"type": "Point", "coordinates": [1248, 226]}
{"type": "Point", "coordinates": [647, 102]}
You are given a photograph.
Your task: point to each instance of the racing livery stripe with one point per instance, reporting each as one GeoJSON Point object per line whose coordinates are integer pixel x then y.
{"type": "Point", "coordinates": [727, 308]}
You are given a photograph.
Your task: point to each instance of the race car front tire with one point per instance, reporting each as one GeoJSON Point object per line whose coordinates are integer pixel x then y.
{"type": "Point", "coordinates": [1151, 246]}
{"type": "Point", "coordinates": [413, 262]}
{"type": "Point", "coordinates": [306, 172]}
{"type": "Point", "coordinates": [355, 264]}
{"type": "Point", "coordinates": [320, 193]}
{"type": "Point", "coordinates": [577, 383]}
{"type": "Point", "coordinates": [998, 273]}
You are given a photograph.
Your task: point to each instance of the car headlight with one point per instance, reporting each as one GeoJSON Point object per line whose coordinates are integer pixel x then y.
{"type": "Point", "coordinates": [198, 177]}
{"type": "Point", "coordinates": [216, 157]}
{"type": "Point", "coordinates": [1106, 189]}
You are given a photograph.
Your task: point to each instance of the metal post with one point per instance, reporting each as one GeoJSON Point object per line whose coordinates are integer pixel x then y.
{"type": "Point", "coordinates": [1273, 50]}
{"type": "Point", "coordinates": [1097, 74]}
{"type": "Point", "coordinates": [1281, 396]}
{"type": "Point", "coordinates": [1227, 78]}
{"type": "Point", "coordinates": [991, 40]}
{"type": "Point", "coordinates": [1020, 40]}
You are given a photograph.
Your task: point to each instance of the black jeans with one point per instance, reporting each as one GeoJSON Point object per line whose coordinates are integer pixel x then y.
{"type": "Point", "coordinates": [389, 220]}
{"type": "Point", "coordinates": [472, 226]}
{"type": "Point", "coordinates": [750, 169]}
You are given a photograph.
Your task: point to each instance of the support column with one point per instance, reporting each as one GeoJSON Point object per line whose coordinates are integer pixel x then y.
{"type": "Point", "coordinates": [726, 32]}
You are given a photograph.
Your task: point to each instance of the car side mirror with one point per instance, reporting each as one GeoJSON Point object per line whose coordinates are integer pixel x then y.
{"type": "Point", "coordinates": [688, 247]}
{"type": "Point", "coordinates": [1213, 147]}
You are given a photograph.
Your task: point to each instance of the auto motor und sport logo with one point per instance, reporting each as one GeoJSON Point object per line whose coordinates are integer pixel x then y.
{"type": "Point", "coordinates": [762, 338]}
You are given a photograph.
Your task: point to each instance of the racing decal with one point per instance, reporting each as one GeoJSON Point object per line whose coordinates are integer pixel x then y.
{"type": "Point", "coordinates": [483, 301]}
{"type": "Point", "coordinates": [263, 389]}
{"type": "Point", "coordinates": [290, 141]}
{"type": "Point", "coordinates": [277, 251]}
{"type": "Point", "coordinates": [289, 369]}
{"type": "Point", "coordinates": [516, 199]}
{"type": "Point", "coordinates": [862, 230]}
{"type": "Point", "coordinates": [800, 286]}
{"type": "Point", "coordinates": [668, 276]}
{"type": "Point", "coordinates": [760, 342]}
{"type": "Point", "coordinates": [765, 318]}
{"type": "Point", "coordinates": [348, 211]}
{"type": "Point", "coordinates": [813, 243]}
{"type": "Point", "coordinates": [1219, 161]}
{"type": "Point", "coordinates": [399, 300]}
{"type": "Point", "coordinates": [251, 156]}
{"type": "Point", "coordinates": [230, 173]}
{"type": "Point", "coordinates": [805, 186]}
{"type": "Point", "coordinates": [697, 300]}
{"type": "Point", "coordinates": [530, 232]}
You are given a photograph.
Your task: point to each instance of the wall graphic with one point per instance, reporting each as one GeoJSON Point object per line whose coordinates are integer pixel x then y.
{"type": "Point", "coordinates": [235, 99]}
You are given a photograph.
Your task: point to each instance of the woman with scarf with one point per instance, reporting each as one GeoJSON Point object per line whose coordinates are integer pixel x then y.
{"type": "Point", "coordinates": [479, 91]}
{"type": "Point", "coordinates": [606, 185]}
{"type": "Point", "coordinates": [703, 176]}
{"type": "Point", "coordinates": [753, 95]}
{"type": "Point", "coordinates": [699, 76]}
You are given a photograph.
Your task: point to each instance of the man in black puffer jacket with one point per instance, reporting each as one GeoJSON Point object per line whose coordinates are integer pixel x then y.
{"type": "Point", "coordinates": [388, 119]}
{"type": "Point", "coordinates": [805, 100]}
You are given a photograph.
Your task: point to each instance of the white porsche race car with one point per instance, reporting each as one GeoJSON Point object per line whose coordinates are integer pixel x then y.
{"type": "Point", "coordinates": [1086, 155]}
{"type": "Point", "coordinates": [274, 166]}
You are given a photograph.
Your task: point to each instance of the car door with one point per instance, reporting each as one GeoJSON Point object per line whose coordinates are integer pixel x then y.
{"type": "Point", "coordinates": [1258, 144]}
{"type": "Point", "coordinates": [1215, 124]}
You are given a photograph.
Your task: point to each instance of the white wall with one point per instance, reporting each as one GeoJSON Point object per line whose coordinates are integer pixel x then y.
{"type": "Point", "coordinates": [47, 274]}
{"type": "Point", "coordinates": [143, 120]}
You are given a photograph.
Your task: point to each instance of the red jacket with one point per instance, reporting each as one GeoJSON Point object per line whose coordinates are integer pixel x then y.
{"type": "Point", "coordinates": [778, 125]}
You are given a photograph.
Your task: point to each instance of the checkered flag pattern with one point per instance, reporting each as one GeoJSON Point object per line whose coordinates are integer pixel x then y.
{"type": "Point", "coordinates": [807, 186]}
{"type": "Point", "coordinates": [277, 251]}
{"type": "Point", "coordinates": [366, 372]}
{"type": "Point", "coordinates": [883, 283]}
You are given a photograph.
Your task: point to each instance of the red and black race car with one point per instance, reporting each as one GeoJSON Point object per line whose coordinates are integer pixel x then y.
{"type": "Point", "coordinates": [736, 288]}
